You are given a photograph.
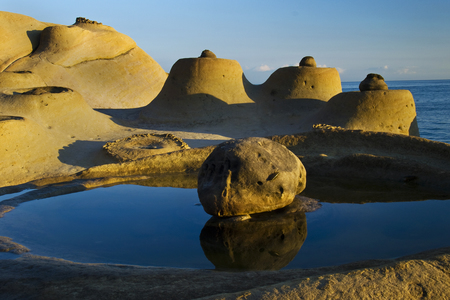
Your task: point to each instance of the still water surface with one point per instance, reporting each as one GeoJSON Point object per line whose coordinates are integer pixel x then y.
{"type": "Point", "coordinates": [156, 226]}
{"type": "Point", "coordinates": [132, 224]}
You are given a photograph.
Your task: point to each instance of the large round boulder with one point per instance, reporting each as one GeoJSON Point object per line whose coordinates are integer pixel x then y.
{"type": "Point", "coordinates": [248, 176]}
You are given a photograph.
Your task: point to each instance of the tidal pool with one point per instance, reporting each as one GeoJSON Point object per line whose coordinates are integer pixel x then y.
{"type": "Point", "coordinates": [159, 226]}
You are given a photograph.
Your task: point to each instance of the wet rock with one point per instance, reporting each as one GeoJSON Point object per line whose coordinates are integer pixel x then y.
{"type": "Point", "coordinates": [248, 176]}
{"type": "Point", "coordinates": [208, 53]}
{"type": "Point", "coordinates": [7, 245]}
{"type": "Point", "coordinates": [308, 61]}
{"type": "Point", "coordinates": [373, 82]}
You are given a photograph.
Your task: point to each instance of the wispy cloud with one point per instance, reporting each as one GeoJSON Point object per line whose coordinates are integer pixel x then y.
{"type": "Point", "coordinates": [340, 70]}
{"type": "Point", "coordinates": [263, 68]}
{"type": "Point", "coordinates": [405, 71]}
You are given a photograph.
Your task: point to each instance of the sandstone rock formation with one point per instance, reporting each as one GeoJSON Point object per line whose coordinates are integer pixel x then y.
{"type": "Point", "coordinates": [375, 110]}
{"type": "Point", "coordinates": [104, 66]}
{"type": "Point", "coordinates": [248, 176]}
{"type": "Point", "coordinates": [38, 125]}
{"type": "Point", "coordinates": [267, 241]}
{"type": "Point", "coordinates": [143, 145]}
{"type": "Point", "coordinates": [303, 82]}
{"type": "Point", "coordinates": [200, 90]}
{"type": "Point", "coordinates": [20, 37]}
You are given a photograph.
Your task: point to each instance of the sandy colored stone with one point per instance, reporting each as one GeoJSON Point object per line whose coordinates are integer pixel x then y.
{"type": "Point", "coordinates": [143, 145]}
{"type": "Point", "coordinates": [303, 82]}
{"type": "Point", "coordinates": [248, 176]}
{"type": "Point", "coordinates": [67, 46]}
{"type": "Point", "coordinates": [43, 130]}
{"type": "Point", "coordinates": [208, 54]}
{"type": "Point", "coordinates": [104, 66]}
{"type": "Point", "coordinates": [20, 36]}
{"type": "Point", "coordinates": [27, 150]}
{"type": "Point", "coordinates": [376, 110]}
{"type": "Point", "coordinates": [61, 110]}
{"type": "Point", "coordinates": [20, 79]}
{"type": "Point", "coordinates": [200, 90]}
{"type": "Point", "coordinates": [419, 276]}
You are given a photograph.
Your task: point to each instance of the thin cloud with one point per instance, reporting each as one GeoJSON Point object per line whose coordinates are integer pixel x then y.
{"type": "Point", "coordinates": [263, 68]}
{"type": "Point", "coordinates": [405, 71]}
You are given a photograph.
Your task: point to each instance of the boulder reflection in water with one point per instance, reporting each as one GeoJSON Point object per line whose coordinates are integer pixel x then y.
{"type": "Point", "coordinates": [267, 241]}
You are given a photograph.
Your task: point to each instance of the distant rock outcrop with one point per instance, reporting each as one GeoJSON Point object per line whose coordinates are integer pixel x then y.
{"type": "Point", "coordinates": [374, 108]}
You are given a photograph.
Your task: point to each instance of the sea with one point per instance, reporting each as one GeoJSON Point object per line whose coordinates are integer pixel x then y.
{"type": "Point", "coordinates": [432, 98]}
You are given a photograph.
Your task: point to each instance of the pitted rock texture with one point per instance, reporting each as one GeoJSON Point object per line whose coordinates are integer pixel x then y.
{"type": "Point", "coordinates": [373, 82]}
{"type": "Point", "coordinates": [248, 176]}
{"type": "Point", "coordinates": [144, 145]}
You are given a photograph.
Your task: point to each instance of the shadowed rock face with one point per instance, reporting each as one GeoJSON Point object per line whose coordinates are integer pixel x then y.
{"type": "Point", "coordinates": [373, 82]}
{"type": "Point", "coordinates": [208, 54]}
{"type": "Point", "coordinates": [249, 176]}
{"type": "Point", "coordinates": [267, 241]}
{"type": "Point", "coordinates": [308, 61]}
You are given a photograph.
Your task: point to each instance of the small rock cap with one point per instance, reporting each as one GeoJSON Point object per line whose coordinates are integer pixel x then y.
{"type": "Point", "coordinates": [308, 61]}
{"type": "Point", "coordinates": [373, 82]}
{"type": "Point", "coordinates": [208, 54]}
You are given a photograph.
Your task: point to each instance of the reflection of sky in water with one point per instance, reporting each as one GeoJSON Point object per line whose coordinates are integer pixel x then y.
{"type": "Point", "coordinates": [161, 226]}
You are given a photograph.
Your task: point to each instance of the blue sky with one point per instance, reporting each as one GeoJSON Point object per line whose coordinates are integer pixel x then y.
{"type": "Point", "coordinates": [401, 40]}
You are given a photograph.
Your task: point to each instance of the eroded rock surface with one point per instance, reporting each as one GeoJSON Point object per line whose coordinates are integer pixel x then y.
{"type": "Point", "coordinates": [142, 145]}
{"type": "Point", "coordinates": [249, 176]}
{"type": "Point", "coordinates": [106, 67]}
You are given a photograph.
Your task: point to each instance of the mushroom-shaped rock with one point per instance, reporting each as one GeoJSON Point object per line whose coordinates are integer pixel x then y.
{"type": "Point", "coordinates": [248, 176]}
{"type": "Point", "coordinates": [308, 61]}
{"type": "Point", "coordinates": [379, 110]}
{"type": "Point", "coordinates": [300, 82]}
{"type": "Point", "coordinates": [208, 54]}
{"type": "Point", "coordinates": [373, 82]}
{"type": "Point", "coordinates": [200, 90]}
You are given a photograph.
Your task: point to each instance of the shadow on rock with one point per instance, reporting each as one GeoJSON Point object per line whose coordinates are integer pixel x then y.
{"type": "Point", "coordinates": [75, 154]}
{"type": "Point", "coordinates": [266, 241]}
